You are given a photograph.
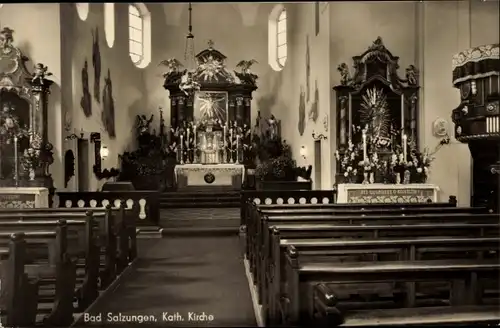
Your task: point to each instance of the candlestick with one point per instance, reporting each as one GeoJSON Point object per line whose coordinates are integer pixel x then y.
{"type": "Point", "coordinates": [16, 173]}
{"type": "Point", "coordinates": [194, 136]}
{"type": "Point", "coordinates": [364, 147]}
{"type": "Point", "coordinates": [187, 135]}
{"type": "Point", "coordinates": [225, 135]}
{"type": "Point", "coordinates": [405, 147]}
{"type": "Point", "coordinates": [237, 149]}
{"type": "Point", "coordinates": [182, 150]}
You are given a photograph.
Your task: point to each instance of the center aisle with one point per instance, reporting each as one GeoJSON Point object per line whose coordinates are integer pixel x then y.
{"type": "Point", "coordinates": [186, 277]}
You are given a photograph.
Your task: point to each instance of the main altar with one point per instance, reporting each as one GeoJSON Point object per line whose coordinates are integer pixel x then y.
{"type": "Point", "coordinates": [210, 119]}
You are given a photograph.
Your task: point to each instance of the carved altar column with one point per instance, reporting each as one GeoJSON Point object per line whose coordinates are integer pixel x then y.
{"type": "Point", "coordinates": [38, 117]}
{"type": "Point", "coordinates": [174, 120]}
{"type": "Point", "coordinates": [240, 110]}
{"type": "Point", "coordinates": [181, 106]}
{"type": "Point", "coordinates": [247, 117]}
{"type": "Point", "coordinates": [231, 108]}
{"type": "Point", "coordinates": [189, 113]}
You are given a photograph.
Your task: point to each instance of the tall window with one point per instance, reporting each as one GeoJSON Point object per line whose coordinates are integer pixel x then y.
{"type": "Point", "coordinates": [109, 23]}
{"type": "Point", "coordinates": [281, 45]}
{"type": "Point", "coordinates": [136, 34]}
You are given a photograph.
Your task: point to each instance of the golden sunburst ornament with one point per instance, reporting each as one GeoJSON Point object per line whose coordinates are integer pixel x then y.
{"type": "Point", "coordinates": [376, 116]}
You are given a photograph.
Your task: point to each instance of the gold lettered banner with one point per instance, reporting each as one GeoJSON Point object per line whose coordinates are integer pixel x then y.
{"type": "Point", "coordinates": [393, 195]}
{"type": "Point", "coordinates": [17, 200]}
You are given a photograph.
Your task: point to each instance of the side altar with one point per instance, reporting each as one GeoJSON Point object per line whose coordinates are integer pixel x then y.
{"type": "Point", "coordinates": [25, 151]}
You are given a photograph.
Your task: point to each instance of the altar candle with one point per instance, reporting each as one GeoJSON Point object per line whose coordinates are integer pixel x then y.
{"type": "Point", "coordinates": [182, 145]}
{"type": "Point", "coordinates": [187, 135]}
{"type": "Point", "coordinates": [364, 147]}
{"type": "Point", "coordinates": [231, 138]}
{"type": "Point", "coordinates": [405, 147]}
{"type": "Point", "coordinates": [194, 136]}
{"type": "Point", "coordinates": [237, 141]}
{"type": "Point", "coordinates": [225, 134]}
{"type": "Point", "coordinates": [16, 173]}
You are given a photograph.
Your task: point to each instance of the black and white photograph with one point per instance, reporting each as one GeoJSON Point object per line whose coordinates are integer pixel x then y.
{"type": "Point", "coordinates": [250, 164]}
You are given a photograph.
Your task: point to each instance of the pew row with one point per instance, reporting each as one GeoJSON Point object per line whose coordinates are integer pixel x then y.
{"type": "Point", "coordinates": [303, 275]}
{"type": "Point", "coordinates": [19, 293]}
{"type": "Point", "coordinates": [337, 251]}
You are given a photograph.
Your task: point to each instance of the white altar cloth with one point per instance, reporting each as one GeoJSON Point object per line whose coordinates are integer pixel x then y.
{"type": "Point", "coordinates": [24, 197]}
{"type": "Point", "coordinates": [387, 193]}
{"type": "Point", "coordinates": [196, 174]}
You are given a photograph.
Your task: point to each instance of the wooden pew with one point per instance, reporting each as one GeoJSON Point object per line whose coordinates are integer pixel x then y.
{"type": "Point", "coordinates": [115, 242]}
{"type": "Point", "coordinates": [18, 297]}
{"type": "Point", "coordinates": [49, 259]}
{"type": "Point", "coordinates": [123, 216]}
{"type": "Point", "coordinates": [302, 274]}
{"type": "Point", "coordinates": [258, 239]}
{"type": "Point", "coordinates": [336, 250]}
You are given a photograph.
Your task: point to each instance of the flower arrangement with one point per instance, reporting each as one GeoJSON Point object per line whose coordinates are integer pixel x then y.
{"type": "Point", "coordinates": [349, 160]}
{"type": "Point", "coordinates": [419, 165]}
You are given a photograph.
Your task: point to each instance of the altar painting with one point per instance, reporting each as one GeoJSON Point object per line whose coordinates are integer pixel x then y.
{"type": "Point", "coordinates": [211, 106]}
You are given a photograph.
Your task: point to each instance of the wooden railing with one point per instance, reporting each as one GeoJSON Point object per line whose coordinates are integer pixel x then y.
{"type": "Point", "coordinates": [284, 197]}
{"type": "Point", "coordinates": [145, 203]}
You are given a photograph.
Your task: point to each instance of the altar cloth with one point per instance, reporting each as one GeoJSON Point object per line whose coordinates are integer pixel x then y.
{"type": "Point", "coordinates": [24, 197]}
{"type": "Point", "coordinates": [210, 174]}
{"type": "Point", "coordinates": [387, 193]}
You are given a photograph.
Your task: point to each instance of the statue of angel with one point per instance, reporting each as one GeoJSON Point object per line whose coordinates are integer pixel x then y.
{"type": "Point", "coordinates": [172, 64]}
{"type": "Point", "coordinates": [143, 123]}
{"type": "Point", "coordinates": [412, 75]}
{"type": "Point", "coordinates": [345, 76]}
{"type": "Point", "coordinates": [41, 71]}
{"type": "Point", "coordinates": [245, 65]}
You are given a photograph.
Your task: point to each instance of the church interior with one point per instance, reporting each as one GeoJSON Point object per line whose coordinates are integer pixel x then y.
{"type": "Point", "coordinates": [250, 164]}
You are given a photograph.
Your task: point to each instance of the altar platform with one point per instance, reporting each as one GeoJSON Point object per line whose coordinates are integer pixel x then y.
{"type": "Point", "coordinates": [209, 175]}
{"type": "Point", "coordinates": [387, 193]}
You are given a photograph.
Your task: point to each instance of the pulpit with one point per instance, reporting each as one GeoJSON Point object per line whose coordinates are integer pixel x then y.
{"type": "Point", "coordinates": [25, 152]}
{"type": "Point", "coordinates": [477, 118]}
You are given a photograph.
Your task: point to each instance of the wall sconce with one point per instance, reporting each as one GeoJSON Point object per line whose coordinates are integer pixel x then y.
{"type": "Point", "coordinates": [303, 152]}
{"type": "Point", "coordinates": [100, 153]}
{"type": "Point", "coordinates": [74, 136]}
{"type": "Point", "coordinates": [319, 137]}
{"type": "Point", "coordinates": [104, 152]}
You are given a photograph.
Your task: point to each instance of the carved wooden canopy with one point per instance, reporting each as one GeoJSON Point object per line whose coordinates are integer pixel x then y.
{"type": "Point", "coordinates": [211, 72]}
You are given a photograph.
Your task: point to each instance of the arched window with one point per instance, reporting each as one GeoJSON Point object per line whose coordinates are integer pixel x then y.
{"type": "Point", "coordinates": [278, 38]}
{"type": "Point", "coordinates": [82, 8]}
{"type": "Point", "coordinates": [109, 23]}
{"type": "Point", "coordinates": [139, 34]}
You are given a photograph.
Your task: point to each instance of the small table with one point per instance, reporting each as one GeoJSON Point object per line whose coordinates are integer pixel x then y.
{"type": "Point", "coordinates": [387, 193]}
{"type": "Point", "coordinates": [24, 197]}
{"type": "Point", "coordinates": [210, 175]}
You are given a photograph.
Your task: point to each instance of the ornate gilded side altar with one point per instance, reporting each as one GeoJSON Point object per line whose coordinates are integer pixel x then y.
{"type": "Point", "coordinates": [25, 152]}
{"type": "Point", "coordinates": [376, 99]}
{"type": "Point", "coordinates": [477, 118]}
{"type": "Point", "coordinates": [24, 197]}
{"type": "Point", "coordinates": [189, 175]}
{"type": "Point", "coordinates": [387, 193]}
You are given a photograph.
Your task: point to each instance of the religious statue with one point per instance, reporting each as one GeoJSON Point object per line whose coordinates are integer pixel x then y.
{"type": "Point", "coordinates": [40, 72]}
{"type": "Point", "coordinates": [412, 75]}
{"type": "Point", "coordinates": [188, 84]}
{"type": "Point", "coordinates": [273, 127]}
{"type": "Point", "coordinates": [345, 76]}
{"type": "Point", "coordinates": [143, 124]}
{"type": "Point", "coordinates": [173, 66]}
{"type": "Point", "coordinates": [376, 116]}
{"type": "Point", "coordinates": [245, 65]}
{"type": "Point", "coordinates": [6, 39]}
